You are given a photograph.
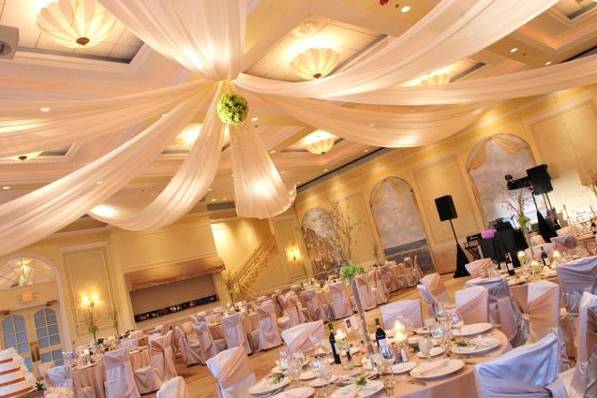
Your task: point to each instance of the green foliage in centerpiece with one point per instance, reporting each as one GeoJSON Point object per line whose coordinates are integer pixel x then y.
{"type": "Point", "coordinates": [232, 109]}
{"type": "Point", "coordinates": [523, 220]}
{"type": "Point", "coordinates": [350, 270]}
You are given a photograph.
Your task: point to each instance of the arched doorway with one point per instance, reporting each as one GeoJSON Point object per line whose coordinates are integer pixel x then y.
{"type": "Point", "coordinates": [399, 223]}
{"type": "Point", "coordinates": [33, 322]}
{"type": "Point", "coordinates": [488, 163]}
{"type": "Point", "coordinates": [322, 241]}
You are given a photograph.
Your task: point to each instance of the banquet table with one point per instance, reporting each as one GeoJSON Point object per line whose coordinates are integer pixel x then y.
{"type": "Point", "coordinates": [94, 374]}
{"type": "Point", "coordinates": [460, 384]}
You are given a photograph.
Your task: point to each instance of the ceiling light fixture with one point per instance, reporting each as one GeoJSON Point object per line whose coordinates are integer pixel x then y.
{"type": "Point", "coordinates": [45, 109]}
{"type": "Point", "coordinates": [319, 142]}
{"type": "Point", "coordinates": [76, 23]}
{"type": "Point", "coordinates": [513, 50]}
{"type": "Point", "coordinates": [25, 156]}
{"type": "Point", "coordinates": [405, 9]}
{"type": "Point", "coordinates": [315, 63]}
{"type": "Point", "coordinates": [6, 187]}
{"type": "Point", "coordinates": [254, 118]}
{"type": "Point", "coordinates": [549, 62]}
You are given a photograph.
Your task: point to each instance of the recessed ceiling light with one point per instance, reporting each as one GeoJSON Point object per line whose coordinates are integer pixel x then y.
{"type": "Point", "coordinates": [45, 109]}
{"type": "Point", "coordinates": [325, 170]}
{"type": "Point", "coordinates": [272, 151]}
{"type": "Point", "coordinates": [254, 118]}
{"type": "Point", "coordinates": [213, 200]}
{"type": "Point", "coordinates": [6, 187]}
{"type": "Point", "coordinates": [282, 172]}
{"type": "Point", "coordinates": [366, 150]}
{"type": "Point", "coordinates": [548, 63]}
{"type": "Point", "coordinates": [164, 114]}
{"type": "Point", "coordinates": [513, 50]}
{"type": "Point", "coordinates": [405, 9]}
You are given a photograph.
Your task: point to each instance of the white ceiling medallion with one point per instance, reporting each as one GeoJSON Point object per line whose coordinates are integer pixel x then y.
{"type": "Point", "coordinates": [76, 23]}
{"type": "Point", "coordinates": [319, 142]}
{"type": "Point", "coordinates": [315, 63]}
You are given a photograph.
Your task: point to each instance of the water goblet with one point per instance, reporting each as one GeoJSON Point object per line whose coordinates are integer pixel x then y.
{"type": "Point", "coordinates": [425, 345]}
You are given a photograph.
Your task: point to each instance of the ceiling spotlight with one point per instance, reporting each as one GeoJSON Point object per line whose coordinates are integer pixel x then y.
{"type": "Point", "coordinates": [325, 170]}
{"type": "Point", "coordinates": [76, 23]}
{"type": "Point", "coordinates": [315, 63]}
{"type": "Point", "coordinates": [366, 150]}
{"type": "Point", "coordinates": [319, 142]}
{"type": "Point", "coordinates": [254, 118]}
{"type": "Point", "coordinates": [25, 156]}
{"type": "Point", "coordinates": [548, 63]}
{"type": "Point", "coordinates": [44, 109]}
{"type": "Point", "coordinates": [6, 187]}
{"type": "Point", "coordinates": [513, 50]}
{"type": "Point", "coordinates": [405, 9]}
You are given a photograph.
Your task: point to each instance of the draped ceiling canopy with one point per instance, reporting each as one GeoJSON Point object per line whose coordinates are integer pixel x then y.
{"type": "Point", "coordinates": [207, 38]}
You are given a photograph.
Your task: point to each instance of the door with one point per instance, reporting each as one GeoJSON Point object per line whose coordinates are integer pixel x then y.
{"type": "Point", "coordinates": [35, 335]}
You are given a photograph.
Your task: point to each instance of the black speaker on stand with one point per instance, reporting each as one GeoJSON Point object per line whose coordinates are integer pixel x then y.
{"type": "Point", "coordinates": [447, 212]}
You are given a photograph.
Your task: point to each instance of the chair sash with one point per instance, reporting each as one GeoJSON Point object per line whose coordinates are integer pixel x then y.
{"type": "Point", "coordinates": [191, 351]}
{"type": "Point", "coordinates": [269, 333]}
{"type": "Point", "coordinates": [297, 304]}
{"type": "Point", "coordinates": [206, 341]}
{"type": "Point", "coordinates": [120, 381]}
{"type": "Point", "coordinates": [314, 309]}
{"type": "Point", "coordinates": [174, 388]}
{"type": "Point", "coordinates": [400, 310]}
{"type": "Point", "coordinates": [234, 333]}
{"type": "Point", "coordinates": [435, 286]}
{"type": "Point", "coordinates": [298, 339]}
{"type": "Point", "coordinates": [232, 371]}
{"type": "Point", "coordinates": [472, 304]}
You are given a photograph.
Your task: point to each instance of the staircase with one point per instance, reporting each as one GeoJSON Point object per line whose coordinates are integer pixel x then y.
{"type": "Point", "coordinates": [246, 274]}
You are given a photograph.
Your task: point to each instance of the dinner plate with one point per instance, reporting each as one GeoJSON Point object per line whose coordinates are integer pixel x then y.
{"type": "Point", "coordinates": [435, 351]}
{"type": "Point", "coordinates": [371, 388]}
{"type": "Point", "coordinates": [278, 369]}
{"type": "Point", "coordinates": [437, 368]}
{"type": "Point", "coordinates": [476, 346]}
{"type": "Point", "coordinates": [266, 386]}
{"type": "Point", "coordinates": [321, 382]}
{"type": "Point", "coordinates": [308, 375]}
{"type": "Point", "coordinates": [300, 392]}
{"type": "Point", "coordinates": [403, 367]}
{"type": "Point", "coordinates": [472, 329]}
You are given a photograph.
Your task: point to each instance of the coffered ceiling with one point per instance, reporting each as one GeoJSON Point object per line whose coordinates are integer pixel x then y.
{"type": "Point", "coordinates": [277, 30]}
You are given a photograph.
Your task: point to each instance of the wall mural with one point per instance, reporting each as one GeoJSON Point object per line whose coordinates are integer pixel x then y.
{"type": "Point", "coordinates": [399, 223]}
{"type": "Point", "coordinates": [322, 241]}
{"type": "Point", "coordinates": [489, 162]}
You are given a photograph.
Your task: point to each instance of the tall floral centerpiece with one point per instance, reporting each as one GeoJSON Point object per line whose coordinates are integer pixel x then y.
{"type": "Point", "coordinates": [516, 204]}
{"type": "Point", "coordinates": [348, 274]}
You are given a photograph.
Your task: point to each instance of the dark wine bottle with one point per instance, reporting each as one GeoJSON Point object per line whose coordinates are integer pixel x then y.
{"type": "Point", "coordinates": [593, 228]}
{"type": "Point", "coordinates": [333, 344]}
{"type": "Point", "coordinates": [380, 335]}
{"type": "Point", "coordinates": [544, 257]}
{"type": "Point", "coordinates": [510, 264]}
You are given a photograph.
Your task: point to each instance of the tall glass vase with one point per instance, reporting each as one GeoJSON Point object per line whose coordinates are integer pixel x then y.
{"type": "Point", "coordinates": [361, 320]}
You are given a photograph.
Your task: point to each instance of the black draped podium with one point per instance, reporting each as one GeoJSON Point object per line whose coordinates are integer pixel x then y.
{"type": "Point", "coordinates": [507, 241]}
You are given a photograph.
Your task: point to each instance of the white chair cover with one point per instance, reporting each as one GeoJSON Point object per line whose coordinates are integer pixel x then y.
{"type": "Point", "coordinates": [398, 276]}
{"type": "Point", "coordinates": [232, 371]}
{"type": "Point", "coordinates": [409, 309]}
{"type": "Point", "coordinates": [120, 381]}
{"type": "Point", "coordinates": [209, 346]}
{"type": "Point", "coordinates": [234, 333]}
{"type": "Point", "coordinates": [298, 339]}
{"type": "Point", "coordinates": [473, 304]}
{"type": "Point", "coordinates": [299, 308]}
{"type": "Point", "coordinates": [577, 277]}
{"type": "Point", "coordinates": [435, 286]}
{"type": "Point", "coordinates": [475, 268]}
{"type": "Point", "coordinates": [174, 388]}
{"type": "Point", "coordinates": [43, 368]}
{"type": "Point", "coordinates": [130, 342]}
{"type": "Point", "coordinates": [150, 378]}
{"type": "Point", "coordinates": [339, 301]}
{"type": "Point", "coordinates": [417, 267]}
{"type": "Point", "coordinates": [59, 392]}
{"type": "Point", "coordinates": [388, 278]}
{"type": "Point", "coordinates": [60, 376]}
{"type": "Point", "coordinates": [407, 274]}
{"type": "Point", "coordinates": [191, 353]}
{"type": "Point", "coordinates": [365, 294]}
{"type": "Point", "coordinates": [269, 333]}
{"type": "Point", "coordinates": [315, 309]}
{"type": "Point", "coordinates": [529, 371]}
{"type": "Point", "coordinates": [381, 291]}
{"type": "Point", "coordinates": [543, 309]}
{"type": "Point", "coordinates": [289, 309]}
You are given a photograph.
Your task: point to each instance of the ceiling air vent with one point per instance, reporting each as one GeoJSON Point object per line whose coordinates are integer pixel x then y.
{"type": "Point", "coordinates": [9, 38]}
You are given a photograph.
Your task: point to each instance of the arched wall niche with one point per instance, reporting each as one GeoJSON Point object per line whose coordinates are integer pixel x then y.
{"type": "Point", "coordinates": [399, 222]}
{"type": "Point", "coordinates": [322, 241]}
{"type": "Point", "coordinates": [488, 163]}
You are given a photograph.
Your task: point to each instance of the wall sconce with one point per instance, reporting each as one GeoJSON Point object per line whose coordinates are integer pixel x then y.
{"type": "Point", "coordinates": [293, 253]}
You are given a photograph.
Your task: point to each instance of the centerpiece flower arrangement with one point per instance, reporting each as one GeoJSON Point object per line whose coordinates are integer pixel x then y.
{"type": "Point", "coordinates": [517, 204]}
{"type": "Point", "coordinates": [232, 109]}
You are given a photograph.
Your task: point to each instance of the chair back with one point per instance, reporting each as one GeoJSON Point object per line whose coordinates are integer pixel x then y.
{"type": "Point", "coordinates": [584, 378]}
{"type": "Point", "coordinates": [401, 310]}
{"type": "Point", "coordinates": [543, 309]}
{"type": "Point", "coordinates": [234, 333]}
{"type": "Point", "coordinates": [173, 388]}
{"type": "Point", "coordinates": [577, 277]}
{"type": "Point", "coordinates": [60, 376]}
{"type": "Point", "coordinates": [435, 286]}
{"type": "Point", "coordinates": [120, 380]}
{"type": "Point", "coordinates": [472, 304]}
{"type": "Point", "coordinates": [298, 338]}
{"type": "Point", "coordinates": [233, 373]}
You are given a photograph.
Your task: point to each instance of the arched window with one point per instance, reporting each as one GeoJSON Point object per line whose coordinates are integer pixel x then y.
{"type": "Point", "coordinates": [322, 241]}
{"type": "Point", "coordinates": [488, 163]}
{"type": "Point", "coordinates": [399, 223]}
{"type": "Point", "coordinates": [48, 335]}
{"type": "Point", "coordinates": [24, 271]}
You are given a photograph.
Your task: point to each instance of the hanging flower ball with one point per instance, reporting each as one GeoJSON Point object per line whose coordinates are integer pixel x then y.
{"type": "Point", "coordinates": [232, 109]}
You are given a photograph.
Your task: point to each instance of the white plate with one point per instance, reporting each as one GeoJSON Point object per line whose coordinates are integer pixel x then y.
{"type": "Point", "coordinates": [300, 392]}
{"type": "Point", "coordinates": [435, 351]}
{"type": "Point", "coordinates": [353, 391]}
{"type": "Point", "coordinates": [423, 330]}
{"type": "Point", "coordinates": [477, 346]}
{"type": "Point", "coordinates": [320, 382]}
{"type": "Point", "coordinates": [308, 375]}
{"type": "Point", "coordinates": [442, 367]}
{"type": "Point", "coordinates": [277, 369]}
{"type": "Point", "coordinates": [267, 385]}
{"type": "Point", "coordinates": [472, 329]}
{"type": "Point", "coordinates": [403, 367]}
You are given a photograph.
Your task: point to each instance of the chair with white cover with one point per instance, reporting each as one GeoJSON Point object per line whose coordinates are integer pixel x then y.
{"type": "Point", "coordinates": [233, 373]}
{"type": "Point", "coordinates": [129, 342]}
{"type": "Point", "coordinates": [58, 392]}
{"type": "Point", "coordinates": [268, 331]}
{"type": "Point", "coordinates": [191, 351]}
{"type": "Point", "coordinates": [298, 338]}
{"type": "Point", "coordinates": [472, 304]}
{"type": "Point", "coordinates": [380, 291]}
{"type": "Point", "coordinates": [60, 376]}
{"type": "Point", "coordinates": [234, 332]}
{"type": "Point", "coordinates": [479, 267]}
{"type": "Point", "coordinates": [435, 286]}
{"type": "Point", "coordinates": [314, 308]}
{"type": "Point", "coordinates": [407, 274]}
{"type": "Point", "coordinates": [299, 307]}
{"type": "Point", "coordinates": [401, 310]}
{"type": "Point", "coordinates": [365, 294]}
{"type": "Point", "coordinates": [43, 368]}
{"type": "Point", "coordinates": [173, 388]}
{"type": "Point", "coordinates": [417, 267]}
{"type": "Point", "coordinates": [388, 278]}
{"type": "Point", "coordinates": [543, 309]}
{"type": "Point", "coordinates": [289, 310]}
{"type": "Point", "coordinates": [209, 346]}
{"type": "Point", "coordinates": [581, 381]}
{"type": "Point", "coordinates": [528, 371]}
{"type": "Point", "coordinates": [150, 378]}
{"type": "Point", "coordinates": [339, 301]}
{"type": "Point", "coordinates": [398, 276]}
{"type": "Point", "coordinates": [120, 381]}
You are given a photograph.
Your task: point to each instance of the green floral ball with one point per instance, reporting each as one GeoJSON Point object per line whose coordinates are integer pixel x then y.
{"type": "Point", "coordinates": [233, 109]}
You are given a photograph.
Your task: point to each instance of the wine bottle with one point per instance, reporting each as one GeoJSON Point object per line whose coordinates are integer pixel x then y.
{"type": "Point", "coordinates": [510, 265]}
{"type": "Point", "coordinates": [333, 344]}
{"type": "Point", "coordinates": [593, 228]}
{"type": "Point", "coordinates": [380, 335]}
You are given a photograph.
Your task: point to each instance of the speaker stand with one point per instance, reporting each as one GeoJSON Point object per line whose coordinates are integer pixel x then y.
{"type": "Point", "coordinates": [461, 259]}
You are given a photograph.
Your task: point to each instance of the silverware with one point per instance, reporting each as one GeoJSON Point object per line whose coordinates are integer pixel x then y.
{"type": "Point", "coordinates": [443, 364]}
{"type": "Point", "coordinates": [412, 380]}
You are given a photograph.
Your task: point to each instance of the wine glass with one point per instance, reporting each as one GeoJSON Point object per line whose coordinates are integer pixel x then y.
{"type": "Point", "coordinates": [295, 366]}
{"type": "Point", "coordinates": [425, 345]}
{"type": "Point", "coordinates": [438, 333]}
{"type": "Point", "coordinates": [284, 359]}
{"type": "Point", "coordinates": [440, 311]}
{"type": "Point", "coordinates": [456, 322]}
{"type": "Point", "coordinates": [387, 355]}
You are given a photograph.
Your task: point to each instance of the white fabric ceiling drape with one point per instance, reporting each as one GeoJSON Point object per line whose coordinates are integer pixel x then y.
{"type": "Point", "coordinates": [452, 30]}
{"type": "Point", "coordinates": [386, 129]}
{"type": "Point", "coordinates": [186, 188]}
{"type": "Point", "coordinates": [45, 210]}
{"type": "Point", "coordinates": [527, 83]}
